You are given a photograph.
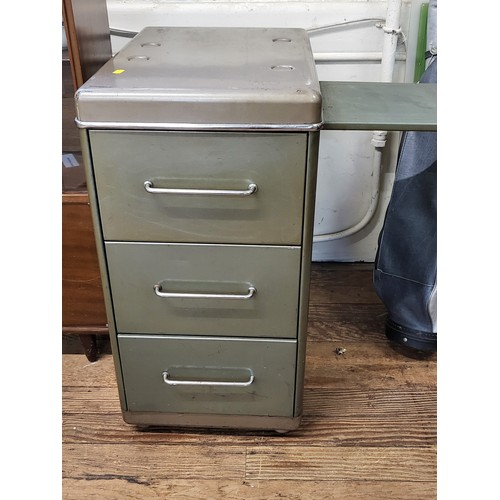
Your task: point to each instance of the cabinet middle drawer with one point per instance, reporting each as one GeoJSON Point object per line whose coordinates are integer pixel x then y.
{"type": "Point", "coordinates": [187, 289]}
{"type": "Point", "coordinates": [200, 187]}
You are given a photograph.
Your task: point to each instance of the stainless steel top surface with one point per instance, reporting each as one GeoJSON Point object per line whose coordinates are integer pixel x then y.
{"type": "Point", "coordinates": [174, 77]}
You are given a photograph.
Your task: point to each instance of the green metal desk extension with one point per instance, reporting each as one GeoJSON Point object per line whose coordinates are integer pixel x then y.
{"type": "Point", "coordinates": [379, 106]}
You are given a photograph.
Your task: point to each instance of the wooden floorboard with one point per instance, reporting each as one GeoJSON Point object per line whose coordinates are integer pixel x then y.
{"type": "Point", "coordinates": [368, 430]}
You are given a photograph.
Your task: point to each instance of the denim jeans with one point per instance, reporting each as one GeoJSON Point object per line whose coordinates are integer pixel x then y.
{"type": "Point", "coordinates": [405, 264]}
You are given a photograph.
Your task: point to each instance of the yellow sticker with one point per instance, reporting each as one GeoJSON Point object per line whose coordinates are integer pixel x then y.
{"type": "Point", "coordinates": [118, 71]}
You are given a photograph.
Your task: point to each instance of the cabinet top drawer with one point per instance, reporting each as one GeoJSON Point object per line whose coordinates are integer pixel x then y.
{"type": "Point", "coordinates": [195, 187]}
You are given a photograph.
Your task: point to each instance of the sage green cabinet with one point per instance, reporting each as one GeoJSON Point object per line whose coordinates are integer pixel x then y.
{"type": "Point", "coordinates": [202, 187]}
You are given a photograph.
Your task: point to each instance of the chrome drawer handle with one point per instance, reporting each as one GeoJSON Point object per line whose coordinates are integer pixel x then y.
{"type": "Point", "coordinates": [252, 188]}
{"type": "Point", "coordinates": [172, 295]}
{"type": "Point", "coordinates": [169, 381]}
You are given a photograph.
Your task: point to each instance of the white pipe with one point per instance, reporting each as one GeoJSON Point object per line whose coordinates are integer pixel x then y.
{"type": "Point", "coordinates": [391, 30]}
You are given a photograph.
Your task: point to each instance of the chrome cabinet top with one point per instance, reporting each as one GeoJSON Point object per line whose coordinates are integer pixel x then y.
{"type": "Point", "coordinates": [206, 78]}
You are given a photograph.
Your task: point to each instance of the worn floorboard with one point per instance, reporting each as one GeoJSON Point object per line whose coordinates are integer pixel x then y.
{"type": "Point", "coordinates": [368, 430]}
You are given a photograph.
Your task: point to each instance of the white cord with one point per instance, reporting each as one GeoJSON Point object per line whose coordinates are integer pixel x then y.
{"type": "Point", "coordinates": [327, 27]}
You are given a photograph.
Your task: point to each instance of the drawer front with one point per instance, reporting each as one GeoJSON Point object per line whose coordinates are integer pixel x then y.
{"type": "Point", "coordinates": [208, 375]}
{"type": "Point", "coordinates": [217, 290]}
{"type": "Point", "coordinates": [213, 176]}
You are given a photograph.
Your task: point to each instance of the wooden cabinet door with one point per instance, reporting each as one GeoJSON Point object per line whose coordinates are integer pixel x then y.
{"type": "Point", "coordinates": [83, 308]}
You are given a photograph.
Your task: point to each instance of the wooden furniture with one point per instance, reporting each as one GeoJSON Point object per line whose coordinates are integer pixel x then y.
{"type": "Point", "coordinates": [87, 33]}
{"type": "Point", "coordinates": [83, 302]}
{"type": "Point", "coordinates": [202, 189]}
{"type": "Point", "coordinates": [89, 47]}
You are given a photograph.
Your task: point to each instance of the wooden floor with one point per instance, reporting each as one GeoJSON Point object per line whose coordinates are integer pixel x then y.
{"type": "Point", "coordinates": [368, 429]}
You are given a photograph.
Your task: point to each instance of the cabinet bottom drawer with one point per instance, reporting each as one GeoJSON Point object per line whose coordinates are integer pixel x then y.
{"type": "Point", "coordinates": [200, 375]}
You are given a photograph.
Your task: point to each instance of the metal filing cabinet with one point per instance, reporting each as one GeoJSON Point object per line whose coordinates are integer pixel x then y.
{"type": "Point", "coordinates": [201, 150]}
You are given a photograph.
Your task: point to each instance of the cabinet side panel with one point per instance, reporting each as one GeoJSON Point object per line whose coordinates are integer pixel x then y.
{"type": "Point", "coordinates": [89, 172]}
{"type": "Point", "coordinates": [305, 271]}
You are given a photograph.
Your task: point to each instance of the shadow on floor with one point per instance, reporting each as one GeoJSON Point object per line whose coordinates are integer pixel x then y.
{"type": "Point", "coordinates": [71, 344]}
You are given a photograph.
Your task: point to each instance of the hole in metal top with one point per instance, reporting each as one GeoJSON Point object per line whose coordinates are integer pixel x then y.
{"type": "Point", "coordinates": [283, 67]}
{"type": "Point", "coordinates": [286, 40]}
{"type": "Point", "coordinates": [132, 58]}
{"type": "Point", "coordinates": [151, 44]}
